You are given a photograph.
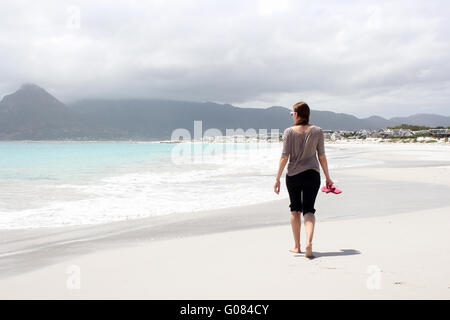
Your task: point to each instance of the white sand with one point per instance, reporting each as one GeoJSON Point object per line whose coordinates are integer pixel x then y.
{"type": "Point", "coordinates": [411, 252]}
{"type": "Point", "coordinates": [402, 256]}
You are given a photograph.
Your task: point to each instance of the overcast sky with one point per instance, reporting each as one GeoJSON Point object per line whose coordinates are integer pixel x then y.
{"type": "Point", "coordinates": [389, 58]}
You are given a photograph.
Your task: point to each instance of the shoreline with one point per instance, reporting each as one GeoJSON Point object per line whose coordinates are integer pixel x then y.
{"type": "Point", "coordinates": [128, 178]}
{"type": "Point", "coordinates": [28, 249]}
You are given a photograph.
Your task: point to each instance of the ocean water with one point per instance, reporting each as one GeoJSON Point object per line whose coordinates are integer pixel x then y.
{"type": "Point", "coordinates": [54, 184]}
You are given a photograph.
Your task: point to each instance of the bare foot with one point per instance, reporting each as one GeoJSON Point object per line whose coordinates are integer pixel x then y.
{"type": "Point", "coordinates": [309, 253]}
{"type": "Point", "coordinates": [295, 250]}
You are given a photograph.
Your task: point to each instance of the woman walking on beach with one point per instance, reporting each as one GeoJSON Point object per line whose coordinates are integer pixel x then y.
{"type": "Point", "coordinates": [301, 142]}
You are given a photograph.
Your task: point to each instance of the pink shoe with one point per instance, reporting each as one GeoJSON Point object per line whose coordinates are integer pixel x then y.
{"type": "Point", "coordinates": [333, 189]}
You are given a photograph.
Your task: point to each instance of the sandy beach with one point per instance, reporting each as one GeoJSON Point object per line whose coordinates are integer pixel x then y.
{"type": "Point", "coordinates": [385, 237]}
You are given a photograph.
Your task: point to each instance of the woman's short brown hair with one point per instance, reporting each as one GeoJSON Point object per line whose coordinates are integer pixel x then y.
{"type": "Point", "coordinates": [303, 112]}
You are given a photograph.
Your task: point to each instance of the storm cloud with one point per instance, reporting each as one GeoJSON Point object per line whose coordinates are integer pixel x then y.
{"type": "Point", "coordinates": [389, 58]}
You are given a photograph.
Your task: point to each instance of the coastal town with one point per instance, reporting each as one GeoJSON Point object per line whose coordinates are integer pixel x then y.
{"type": "Point", "coordinates": [392, 134]}
{"type": "Point", "coordinates": [401, 134]}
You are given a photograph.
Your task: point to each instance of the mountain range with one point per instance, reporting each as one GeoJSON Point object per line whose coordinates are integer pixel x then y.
{"type": "Point", "coordinates": [31, 113]}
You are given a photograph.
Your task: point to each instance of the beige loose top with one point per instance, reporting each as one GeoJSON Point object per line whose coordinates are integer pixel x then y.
{"type": "Point", "coordinates": [302, 148]}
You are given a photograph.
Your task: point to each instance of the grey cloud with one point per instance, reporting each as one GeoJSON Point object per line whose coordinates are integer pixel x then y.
{"type": "Point", "coordinates": [362, 57]}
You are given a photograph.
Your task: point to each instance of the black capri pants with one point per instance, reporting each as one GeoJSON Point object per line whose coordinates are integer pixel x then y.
{"type": "Point", "coordinates": [303, 188]}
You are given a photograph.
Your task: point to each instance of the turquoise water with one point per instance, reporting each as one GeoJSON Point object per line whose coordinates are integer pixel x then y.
{"type": "Point", "coordinates": [66, 160]}
{"type": "Point", "coordinates": [75, 160]}
{"type": "Point", "coordinates": [53, 184]}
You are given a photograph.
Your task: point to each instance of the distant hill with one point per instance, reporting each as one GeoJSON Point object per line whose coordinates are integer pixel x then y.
{"type": "Point", "coordinates": [158, 118]}
{"type": "Point", "coordinates": [31, 113]}
{"type": "Point", "coordinates": [424, 119]}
